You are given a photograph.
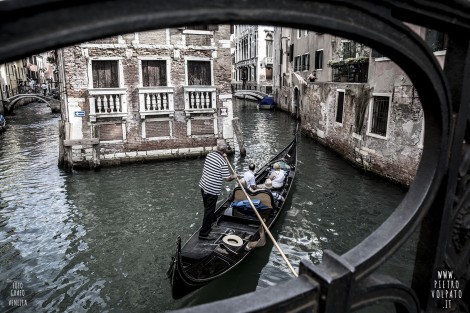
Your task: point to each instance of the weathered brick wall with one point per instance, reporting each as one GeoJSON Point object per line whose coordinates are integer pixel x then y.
{"type": "Point", "coordinates": [76, 84]}
{"type": "Point", "coordinates": [153, 37]}
{"type": "Point", "coordinates": [157, 128]}
{"type": "Point", "coordinates": [128, 50]}
{"type": "Point", "coordinates": [109, 40]}
{"type": "Point", "coordinates": [283, 98]}
{"type": "Point", "coordinates": [108, 132]}
{"type": "Point", "coordinates": [202, 127]}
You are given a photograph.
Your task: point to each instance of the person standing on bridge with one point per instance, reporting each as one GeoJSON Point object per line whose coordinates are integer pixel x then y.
{"type": "Point", "coordinates": [44, 88]}
{"type": "Point", "coordinates": [32, 84]}
{"type": "Point", "coordinates": [215, 171]}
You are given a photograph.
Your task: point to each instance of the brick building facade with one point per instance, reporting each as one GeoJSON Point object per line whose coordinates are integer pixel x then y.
{"type": "Point", "coordinates": [145, 96]}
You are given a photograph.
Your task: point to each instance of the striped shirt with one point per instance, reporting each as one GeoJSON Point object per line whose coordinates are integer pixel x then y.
{"type": "Point", "coordinates": [215, 170]}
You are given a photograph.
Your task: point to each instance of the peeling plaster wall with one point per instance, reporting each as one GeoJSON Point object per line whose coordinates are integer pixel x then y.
{"type": "Point", "coordinates": [395, 157]}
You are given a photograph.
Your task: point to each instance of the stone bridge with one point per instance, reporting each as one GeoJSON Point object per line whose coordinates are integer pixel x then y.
{"type": "Point", "coordinates": [9, 104]}
{"type": "Point", "coordinates": [250, 94]}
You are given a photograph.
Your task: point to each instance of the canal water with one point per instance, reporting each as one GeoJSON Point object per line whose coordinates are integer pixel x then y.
{"type": "Point", "coordinates": [102, 241]}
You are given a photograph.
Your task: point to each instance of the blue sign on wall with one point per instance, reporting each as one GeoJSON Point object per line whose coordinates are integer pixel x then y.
{"type": "Point", "coordinates": [79, 113]}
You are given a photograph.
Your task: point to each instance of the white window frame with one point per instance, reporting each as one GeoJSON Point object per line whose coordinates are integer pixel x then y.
{"type": "Point", "coordinates": [124, 132]}
{"type": "Point", "coordinates": [302, 65]}
{"type": "Point", "coordinates": [120, 70]}
{"type": "Point", "coordinates": [191, 58]}
{"type": "Point", "coordinates": [158, 138]}
{"type": "Point", "coordinates": [315, 59]}
{"type": "Point", "coordinates": [369, 119]}
{"type": "Point", "coordinates": [155, 58]}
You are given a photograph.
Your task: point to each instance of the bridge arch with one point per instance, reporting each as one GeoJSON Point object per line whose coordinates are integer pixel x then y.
{"type": "Point", "coordinates": [12, 101]}
{"type": "Point", "coordinates": [258, 95]}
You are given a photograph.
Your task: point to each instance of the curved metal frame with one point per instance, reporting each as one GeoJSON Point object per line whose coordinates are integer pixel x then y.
{"type": "Point", "coordinates": [430, 197]}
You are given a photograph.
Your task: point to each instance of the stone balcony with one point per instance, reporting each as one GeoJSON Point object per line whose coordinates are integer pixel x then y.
{"type": "Point", "coordinates": [107, 102]}
{"type": "Point", "coordinates": [199, 99]}
{"type": "Point", "coordinates": [156, 101]}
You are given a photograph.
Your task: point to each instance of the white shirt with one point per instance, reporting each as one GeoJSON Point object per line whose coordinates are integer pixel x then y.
{"type": "Point", "coordinates": [278, 179]}
{"type": "Point", "coordinates": [249, 177]}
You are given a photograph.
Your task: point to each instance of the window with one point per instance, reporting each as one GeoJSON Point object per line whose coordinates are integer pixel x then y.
{"type": "Point", "coordinates": [154, 73]}
{"type": "Point", "coordinates": [299, 33]}
{"type": "Point", "coordinates": [379, 115]}
{"type": "Point", "coordinates": [306, 62]}
{"type": "Point", "coordinates": [269, 46]}
{"type": "Point", "coordinates": [199, 73]}
{"type": "Point", "coordinates": [436, 40]}
{"type": "Point", "coordinates": [297, 63]}
{"type": "Point", "coordinates": [105, 74]}
{"type": "Point", "coordinates": [269, 73]}
{"type": "Point", "coordinates": [319, 59]}
{"type": "Point", "coordinates": [340, 107]}
{"type": "Point", "coordinates": [349, 49]}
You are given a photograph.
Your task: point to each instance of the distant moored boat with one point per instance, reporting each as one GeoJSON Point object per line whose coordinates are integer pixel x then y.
{"type": "Point", "coordinates": [267, 103]}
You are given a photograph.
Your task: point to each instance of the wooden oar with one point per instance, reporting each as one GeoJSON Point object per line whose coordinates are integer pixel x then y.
{"type": "Point", "coordinates": [262, 223]}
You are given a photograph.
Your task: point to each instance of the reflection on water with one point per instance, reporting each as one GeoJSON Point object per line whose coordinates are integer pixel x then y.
{"type": "Point", "coordinates": [102, 241]}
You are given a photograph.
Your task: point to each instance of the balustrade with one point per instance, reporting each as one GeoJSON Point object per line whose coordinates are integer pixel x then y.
{"type": "Point", "coordinates": [108, 102]}
{"type": "Point", "coordinates": [202, 99]}
{"type": "Point", "coordinates": [158, 100]}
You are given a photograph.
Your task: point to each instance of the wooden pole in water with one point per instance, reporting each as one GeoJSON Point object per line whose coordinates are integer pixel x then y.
{"type": "Point", "coordinates": [263, 224]}
{"type": "Point", "coordinates": [239, 135]}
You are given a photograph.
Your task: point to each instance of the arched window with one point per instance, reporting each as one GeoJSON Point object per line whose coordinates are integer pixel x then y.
{"type": "Point", "coordinates": [269, 45]}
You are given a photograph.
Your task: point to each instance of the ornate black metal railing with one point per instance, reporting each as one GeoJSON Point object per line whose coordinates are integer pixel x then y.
{"type": "Point", "coordinates": [437, 202]}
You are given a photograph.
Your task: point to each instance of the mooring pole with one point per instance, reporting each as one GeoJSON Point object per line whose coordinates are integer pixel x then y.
{"type": "Point", "coordinates": [239, 135]}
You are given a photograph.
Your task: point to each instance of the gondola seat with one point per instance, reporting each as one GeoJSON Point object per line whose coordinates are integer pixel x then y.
{"type": "Point", "coordinates": [264, 196]}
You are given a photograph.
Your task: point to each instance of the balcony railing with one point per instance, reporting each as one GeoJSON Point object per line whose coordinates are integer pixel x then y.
{"type": "Point", "coordinates": [351, 73]}
{"type": "Point", "coordinates": [108, 102]}
{"type": "Point", "coordinates": [200, 99]}
{"type": "Point", "coordinates": [156, 101]}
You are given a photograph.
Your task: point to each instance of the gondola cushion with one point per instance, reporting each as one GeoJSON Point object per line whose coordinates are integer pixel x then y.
{"type": "Point", "coordinates": [245, 204]}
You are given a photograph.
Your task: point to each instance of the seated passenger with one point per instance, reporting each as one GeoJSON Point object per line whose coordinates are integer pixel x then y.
{"type": "Point", "coordinates": [276, 195]}
{"type": "Point", "coordinates": [245, 185]}
{"type": "Point", "coordinates": [277, 176]}
{"type": "Point", "coordinates": [249, 176]}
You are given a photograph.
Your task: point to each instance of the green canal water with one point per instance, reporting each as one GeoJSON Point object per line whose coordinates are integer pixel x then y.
{"type": "Point", "coordinates": [102, 241]}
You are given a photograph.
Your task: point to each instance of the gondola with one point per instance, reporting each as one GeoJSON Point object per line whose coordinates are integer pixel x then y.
{"type": "Point", "coordinates": [201, 261]}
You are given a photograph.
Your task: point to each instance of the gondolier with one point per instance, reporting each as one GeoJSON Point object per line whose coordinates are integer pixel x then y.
{"type": "Point", "coordinates": [215, 171]}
